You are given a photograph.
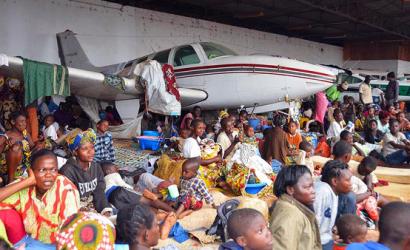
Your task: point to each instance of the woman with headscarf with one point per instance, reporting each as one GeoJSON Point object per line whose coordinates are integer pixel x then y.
{"type": "Point", "coordinates": [188, 118]}
{"type": "Point", "coordinates": [86, 174]}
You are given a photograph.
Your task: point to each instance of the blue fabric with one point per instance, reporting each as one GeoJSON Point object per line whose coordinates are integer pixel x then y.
{"type": "Point", "coordinates": [179, 233]}
{"type": "Point", "coordinates": [328, 246]}
{"type": "Point", "coordinates": [109, 191]}
{"type": "Point", "coordinates": [347, 204]}
{"type": "Point", "coordinates": [398, 157]}
{"type": "Point", "coordinates": [32, 244]}
{"type": "Point", "coordinates": [104, 149]}
{"type": "Point", "coordinates": [276, 166]}
{"type": "Point", "coordinates": [371, 245]}
{"type": "Point", "coordinates": [230, 245]}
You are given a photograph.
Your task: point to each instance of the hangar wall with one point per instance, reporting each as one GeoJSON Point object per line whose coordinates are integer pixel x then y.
{"type": "Point", "coordinates": [110, 33]}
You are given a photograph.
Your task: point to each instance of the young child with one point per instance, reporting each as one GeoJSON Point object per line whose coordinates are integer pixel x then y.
{"type": "Point", "coordinates": [179, 141]}
{"type": "Point", "coordinates": [210, 132]}
{"type": "Point", "coordinates": [192, 189]}
{"type": "Point", "coordinates": [138, 227]}
{"type": "Point", "coordinates": [336, 126]}
{"type": "Point", "coordinates": [305, 152]}
{"type": "Point", "coordinates": [50, 128]}
{"type": "Point", "coordinates": [120, 194]}
{"type": "Point", "coordinates": [331, 109]}
{"type": "Point", "coordinates": [250, 137]}
{"type": "Point", "coordinates": [393, 227]}
{"type": "Point", "coordinates": [104, 149]}
{"type": "Point", "coordinates": [350, 110]}
{"type": "Point", "coordinates": [293, 136]}
{"type": "Point", "coordinates": [335, 181]}
{"type": "Point", "coordinates": [383, 122]}
{"type": "Point", "coordinates": [395, 145]}
{"type": "Point", "coordinates": [350, 229]}
{"type": "Point", "coordinates": [254, 236]}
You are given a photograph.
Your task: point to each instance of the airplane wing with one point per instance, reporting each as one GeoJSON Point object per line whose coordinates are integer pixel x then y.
{"type": "Point", "coordinates": [93, 84]}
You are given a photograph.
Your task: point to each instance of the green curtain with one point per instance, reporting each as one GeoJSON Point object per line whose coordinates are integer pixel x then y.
{"type": "Point", "coordinates": [44, 79]}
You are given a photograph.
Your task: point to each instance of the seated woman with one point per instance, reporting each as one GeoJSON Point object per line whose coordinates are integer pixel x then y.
{"type": "Point", "coordinates": [372, 134]}
{"type": "Point", "coordinates": [15, 148]}
{"type": "Point", "coordinates": [43, 201]}
{"type": "Point", "coordinates": [294, 224]}
{"type": "Point", "coordinates": [86, 174]}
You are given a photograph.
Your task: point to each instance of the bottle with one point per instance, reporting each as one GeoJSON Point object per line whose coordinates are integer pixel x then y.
{"type": "Point", "coordinates": [252, 177]}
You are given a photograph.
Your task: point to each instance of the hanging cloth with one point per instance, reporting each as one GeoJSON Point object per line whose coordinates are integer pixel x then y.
{"type": "Point", "coordinates": [43, 79]}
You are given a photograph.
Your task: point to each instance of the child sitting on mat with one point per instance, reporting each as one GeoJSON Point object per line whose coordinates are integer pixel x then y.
{"type": "Point", "coordinates": [192, 189]}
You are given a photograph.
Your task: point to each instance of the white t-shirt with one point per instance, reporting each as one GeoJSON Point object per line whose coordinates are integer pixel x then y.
{"type": "Point", "coordinates": [358, 186]}
{"type": "Point", "coordinates": [191, 148]}
{"type": "Point", "coordinates": [225, 143]}
{"type": "Point", "coordinates": [50, 132]}
{"type": "Point", "coordinates": [334, 129]}
{"type": "Point", "coordinates": [325, 206]}
{"type": "Point", "coordinates": [366, 92]}
{"type": "Point", "coordinates": [388, 137]}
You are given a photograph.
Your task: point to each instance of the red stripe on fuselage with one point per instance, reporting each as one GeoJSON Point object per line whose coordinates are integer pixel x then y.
{"type": "Point", "coordinates": [252, 65]}
{"type": "Point", "coordinates": [263, 73]}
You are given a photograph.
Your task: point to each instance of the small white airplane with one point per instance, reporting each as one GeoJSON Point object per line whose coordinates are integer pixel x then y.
{"type": "Point", "coordinates": [207, 74]}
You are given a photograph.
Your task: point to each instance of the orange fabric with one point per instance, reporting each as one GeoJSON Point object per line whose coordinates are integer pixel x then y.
{"type": "Point", "coordinates": [323, 149]}
{"type": "Point", "coordinates": [294, 140]}
{"type": "Point", "coordinates": [33, 126]}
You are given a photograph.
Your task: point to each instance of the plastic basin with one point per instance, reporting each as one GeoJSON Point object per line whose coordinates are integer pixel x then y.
{"type": "Point", "coordinates": [254, 188]}
{"type": "Point", "coordinates": [150, 133]}
{"type": "Point", "coordinates": [149, 142]}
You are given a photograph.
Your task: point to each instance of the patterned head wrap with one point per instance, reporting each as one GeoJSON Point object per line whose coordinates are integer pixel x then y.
{"type": "Point", "coordinates": [223, 114]}
{"type": "Point", "coordinates": [86, 231]}
{"type": "Point", "coordinates": [78, 137]}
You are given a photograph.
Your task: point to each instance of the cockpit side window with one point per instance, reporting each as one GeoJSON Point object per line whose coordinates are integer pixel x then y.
{"type": "Point", "coordinates": [185, 55]}
{"type": "Point", "coordinates": [162, 57]}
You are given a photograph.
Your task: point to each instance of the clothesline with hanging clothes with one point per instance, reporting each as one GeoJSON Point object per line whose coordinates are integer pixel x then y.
{"type": "Point", "coordinates": [43, 79]}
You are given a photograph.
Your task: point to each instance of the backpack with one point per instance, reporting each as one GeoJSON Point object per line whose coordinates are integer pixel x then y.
{"type": "Point", "coordinates": [219, 227]}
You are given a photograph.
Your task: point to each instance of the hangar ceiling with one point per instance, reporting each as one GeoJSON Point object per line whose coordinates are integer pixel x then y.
{"type": "Point", "coordinates": [329, 21]}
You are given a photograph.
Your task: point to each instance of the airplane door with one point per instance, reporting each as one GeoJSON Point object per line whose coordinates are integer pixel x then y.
{"type": "Point", "coordinates": [187, 63]}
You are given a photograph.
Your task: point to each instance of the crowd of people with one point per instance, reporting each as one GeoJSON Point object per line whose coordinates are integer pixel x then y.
{"type": "Point", "coordinates": [84, 203]}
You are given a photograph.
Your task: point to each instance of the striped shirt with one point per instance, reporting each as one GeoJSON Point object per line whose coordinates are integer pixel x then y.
{"type": "Point", "coordinates": [42, 218]}
{"type": "Point", "coordinates": [104, 149]}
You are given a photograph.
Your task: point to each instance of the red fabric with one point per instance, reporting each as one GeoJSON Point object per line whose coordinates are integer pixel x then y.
{"type": "Point", "coordinates": [13, 224]}
{"type": "Point", "coordinates": [190, 202]}
{"type": "Point", "coordinates": [382, 183]}
{"type": "Point", "coordinates": [170, 80]}
{"type": "Point", "coordinates": [339, 246]}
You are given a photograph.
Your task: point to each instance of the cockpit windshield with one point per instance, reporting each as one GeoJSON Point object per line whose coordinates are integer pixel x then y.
{"type": "Point", "coordinates": [213, 50]}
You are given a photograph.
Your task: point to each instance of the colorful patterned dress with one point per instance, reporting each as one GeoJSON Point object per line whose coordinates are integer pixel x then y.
{"type": "Point", "coordinates": [25, 162]}
{"type": "Point", "coordinates": [42, 217]}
